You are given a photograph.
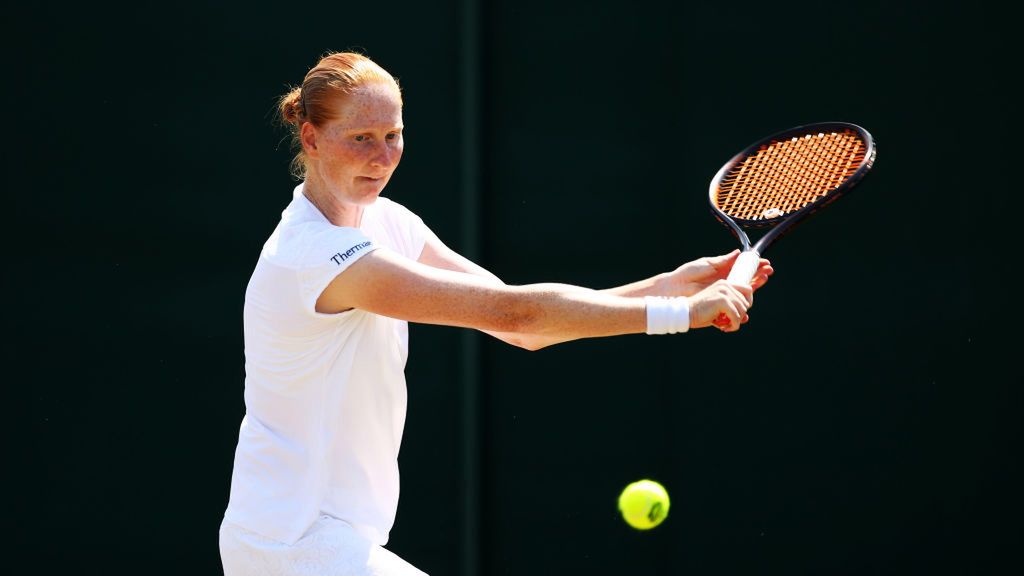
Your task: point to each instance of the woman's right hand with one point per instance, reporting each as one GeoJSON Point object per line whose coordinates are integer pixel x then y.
{"type": "Point", "coordinates": [721, 298]}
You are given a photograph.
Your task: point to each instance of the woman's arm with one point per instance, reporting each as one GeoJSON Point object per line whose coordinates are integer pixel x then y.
{"type": "Point", "coordinates": [438, 255]}
{"type": "Point", "coordinates": [687, 280]}
{"type": "Point", "coordinates": [389, 284]}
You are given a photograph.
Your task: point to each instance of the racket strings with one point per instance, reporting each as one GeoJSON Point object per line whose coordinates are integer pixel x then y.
{"type": "Point", "coordinates": [786, 175]}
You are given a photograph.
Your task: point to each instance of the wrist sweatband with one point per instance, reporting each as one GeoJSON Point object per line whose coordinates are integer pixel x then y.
{"type": "Point", "coordinates": [667, 315]}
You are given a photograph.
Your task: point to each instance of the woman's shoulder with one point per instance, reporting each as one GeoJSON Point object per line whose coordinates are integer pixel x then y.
{"type": "Point", "coordinates": [310, 243]}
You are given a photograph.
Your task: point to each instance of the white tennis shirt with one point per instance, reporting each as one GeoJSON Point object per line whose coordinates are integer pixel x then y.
{"type": "Point", "coordinates": [325, 394]}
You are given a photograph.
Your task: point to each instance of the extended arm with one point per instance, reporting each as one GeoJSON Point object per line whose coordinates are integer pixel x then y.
{"type": "Point", "coordinates": [386, 283]}
{"type": "Point", "coordinates": [687, 280]}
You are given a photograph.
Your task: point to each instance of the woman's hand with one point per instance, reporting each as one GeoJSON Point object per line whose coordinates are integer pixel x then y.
{"type": "Point", "coordinates": [721, 300]}
{"type": "Point", "coordinates": [692, 277]}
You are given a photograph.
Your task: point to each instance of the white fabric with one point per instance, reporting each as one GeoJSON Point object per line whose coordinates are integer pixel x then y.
{"type": "Point", "coordinates": [667, 315]}
{"type": "Point", "coordinates": [325, 395]}
{"type": "Point", "coordinates": [330, 547]}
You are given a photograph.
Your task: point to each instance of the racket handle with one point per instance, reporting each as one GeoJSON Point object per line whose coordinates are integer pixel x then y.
{"type": "Point", "coordinates": [742, 272]}
{"type": "Point", "coordinates": [744, 267]}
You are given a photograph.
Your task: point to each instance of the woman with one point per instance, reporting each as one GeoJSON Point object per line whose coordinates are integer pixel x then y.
{"type": "Point", "coordinates": [315, 482]}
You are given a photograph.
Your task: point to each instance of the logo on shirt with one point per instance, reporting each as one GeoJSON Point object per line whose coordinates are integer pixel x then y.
{"type": "Point", "coordinates": [342, 256]}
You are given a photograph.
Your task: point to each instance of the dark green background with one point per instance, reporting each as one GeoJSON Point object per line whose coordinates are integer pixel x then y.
{"type": "Point", "coordinates": [866, 421]}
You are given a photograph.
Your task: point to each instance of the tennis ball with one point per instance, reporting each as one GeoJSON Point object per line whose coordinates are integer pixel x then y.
{"type": "Point", "coordinates": [644, 504]}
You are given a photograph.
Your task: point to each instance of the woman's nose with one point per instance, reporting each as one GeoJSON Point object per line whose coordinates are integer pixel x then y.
{"type": "Point", "coordinates": [384, 155]}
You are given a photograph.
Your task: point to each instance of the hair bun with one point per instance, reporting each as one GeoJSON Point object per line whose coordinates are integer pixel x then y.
{"type": "Point", "coordinates": [292, 107]}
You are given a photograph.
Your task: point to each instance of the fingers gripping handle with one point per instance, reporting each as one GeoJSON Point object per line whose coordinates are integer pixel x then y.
{"type": "Point", "coordinates": [744, 267]}
{"type": "Point", "coordinates": [742, 272]}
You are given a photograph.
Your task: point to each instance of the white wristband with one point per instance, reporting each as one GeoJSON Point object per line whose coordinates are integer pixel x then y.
{"type": "Point", "coordinates": [667, 315]}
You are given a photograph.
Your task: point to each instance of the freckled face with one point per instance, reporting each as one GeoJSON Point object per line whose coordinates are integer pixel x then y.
{"type": "Point", "coordinates": [360, 150]}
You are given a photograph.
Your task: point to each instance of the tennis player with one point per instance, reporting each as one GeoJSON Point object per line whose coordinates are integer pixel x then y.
{"type": "Point", "coordinates": [314, 489]}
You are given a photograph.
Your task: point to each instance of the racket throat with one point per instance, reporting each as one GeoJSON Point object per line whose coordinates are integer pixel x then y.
{"type": "Point", "coordinates": [737, 232]}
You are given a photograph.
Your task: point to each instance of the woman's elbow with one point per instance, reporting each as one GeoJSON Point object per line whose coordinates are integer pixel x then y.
{"type": "Point", "coordinates": [528, 343]}
{"type": "Point", "coordinates": [514, 316]}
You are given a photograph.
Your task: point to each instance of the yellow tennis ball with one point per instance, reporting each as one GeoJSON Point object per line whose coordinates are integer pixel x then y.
{"type": "Point", "coordinates": [644, 504]}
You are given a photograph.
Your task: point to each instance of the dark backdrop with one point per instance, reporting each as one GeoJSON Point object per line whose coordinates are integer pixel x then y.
{"type": "Point", "coordinates": [865, 421]}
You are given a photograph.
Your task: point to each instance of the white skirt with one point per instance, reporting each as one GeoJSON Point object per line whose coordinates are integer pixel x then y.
{"type": "Point", "coordinates": [330, 547]}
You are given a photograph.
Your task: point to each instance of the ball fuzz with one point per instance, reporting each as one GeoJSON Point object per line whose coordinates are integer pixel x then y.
{"type": "Point", "coordinates": [644, 504]}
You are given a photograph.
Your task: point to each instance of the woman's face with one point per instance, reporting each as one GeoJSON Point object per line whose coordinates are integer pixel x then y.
{"type": "Point", "coordinates": [358, 152]}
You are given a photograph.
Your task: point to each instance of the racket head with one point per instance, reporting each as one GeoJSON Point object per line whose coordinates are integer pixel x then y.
{"type": "Point", "coordinates": [790, 175]}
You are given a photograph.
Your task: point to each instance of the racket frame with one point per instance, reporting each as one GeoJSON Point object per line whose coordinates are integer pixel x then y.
{"type": "Point", "coordinates": [782, 224]}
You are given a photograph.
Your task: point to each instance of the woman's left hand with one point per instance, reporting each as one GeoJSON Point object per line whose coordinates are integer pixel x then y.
{"type": "Point", "coordinates": [695, 276]}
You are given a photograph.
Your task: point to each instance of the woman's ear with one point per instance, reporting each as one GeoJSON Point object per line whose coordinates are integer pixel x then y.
{"type": "Point", "coordinates": [307, 134]}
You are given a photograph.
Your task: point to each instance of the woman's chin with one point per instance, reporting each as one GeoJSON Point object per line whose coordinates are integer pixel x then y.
{"type": "Point", "coordinates": [368, 189]}
{"type": "Point", "coordinates": [363, 195]}
{"type": "Point", "coordinates": [369, 198]}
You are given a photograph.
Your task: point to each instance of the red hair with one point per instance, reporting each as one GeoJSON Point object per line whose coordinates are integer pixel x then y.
{"type": "Point", "coordinates": [334, 77]}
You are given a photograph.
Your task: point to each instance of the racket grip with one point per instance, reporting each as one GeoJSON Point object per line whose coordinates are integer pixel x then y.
{"type": "Point", "coordinates": [744, 267]}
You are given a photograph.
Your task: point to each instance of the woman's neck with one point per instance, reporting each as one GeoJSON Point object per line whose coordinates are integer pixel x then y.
{"type": "Point", "coordinates": [337, 212]}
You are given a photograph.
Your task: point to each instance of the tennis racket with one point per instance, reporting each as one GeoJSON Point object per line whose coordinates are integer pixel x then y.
{"type": "Point", "coordinates": [780, 181]}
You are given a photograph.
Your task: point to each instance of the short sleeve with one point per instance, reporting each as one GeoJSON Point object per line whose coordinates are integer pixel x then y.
{"type": "Point", "coordinates": [329, 252]}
